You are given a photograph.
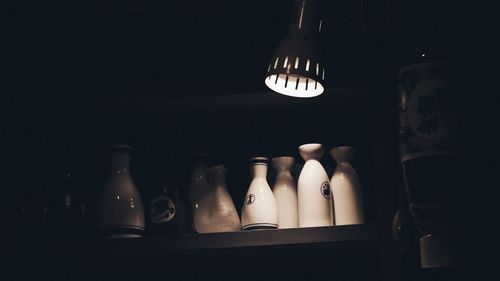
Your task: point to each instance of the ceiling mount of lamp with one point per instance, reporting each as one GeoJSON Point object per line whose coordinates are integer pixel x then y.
{"type": "Point", "coordinates": [296, 68]}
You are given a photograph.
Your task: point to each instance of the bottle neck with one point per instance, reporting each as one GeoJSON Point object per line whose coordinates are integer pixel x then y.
{"type": "Point", "coordinates": [344, 165]}
{"type": "Point", "coordinates": [259, 171]}
{"type": "Point", "coordinates": [283, 164]}
{"type": "Point", "coordinates": [120, 163]}
{"type": "Point", "coordinates": [284, 175]}
{"type": "Point", "coordinates": [199, 173]}
{"type": "Point", "coordinates": [218, 181]}
{"type": "Point", "coordinates": [217, 176]}
{"type": "Point", "coordinates": [284, 172]}
{"type": "Point", "coordinates": [312, 151]}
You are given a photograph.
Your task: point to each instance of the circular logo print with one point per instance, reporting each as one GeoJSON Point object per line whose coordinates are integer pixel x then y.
{"type": "Point", "coordinates": [250, 199]}
{"type": "Point", "coordinates": [325, 189]}
{"type": "Point", "coordinates": [161, 209]}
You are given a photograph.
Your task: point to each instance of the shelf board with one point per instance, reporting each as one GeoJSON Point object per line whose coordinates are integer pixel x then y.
{"type": "Point", "coordinates": [352, 240]}
{"type": "Point", "coordinates": [347, 252]}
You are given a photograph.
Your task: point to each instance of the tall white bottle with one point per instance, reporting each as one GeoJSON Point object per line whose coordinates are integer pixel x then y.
{"type": "Point", "coordinates": [259, 209]}
{"type": "Point", "coordinates": [121, 214]}
{"type": "Point", "coordinates": [346, 188]}
{"type": "Point", "coordinates": [314, 196]}
{"type": "Point", "coordinates": [285, 192]}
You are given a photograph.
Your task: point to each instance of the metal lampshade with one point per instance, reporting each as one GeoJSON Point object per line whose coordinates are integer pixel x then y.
{"type": "Point", "coordinates": [296, 68]}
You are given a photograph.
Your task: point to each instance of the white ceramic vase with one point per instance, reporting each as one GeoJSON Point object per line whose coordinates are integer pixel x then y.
{"type": "Point", "coordinates": [346, 188]}
{"type": "Point", "coordinates": [259, 209]}
{"type": "Point", "coordinates": [285, 193]}
{"type": "Point", "coordinates": [314, 196]}
{"type": "Point", "coordinates": [216, 211]}
{"type": "Point", "coordinates": [121, 213]}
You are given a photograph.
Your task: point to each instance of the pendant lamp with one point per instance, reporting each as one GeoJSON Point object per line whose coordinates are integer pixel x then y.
{"type": "Point", "coordinates": [296, 68]}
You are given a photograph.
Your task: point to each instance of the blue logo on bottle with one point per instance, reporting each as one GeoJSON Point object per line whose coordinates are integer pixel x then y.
{"type": "Point", "coordinates": [325, 189]}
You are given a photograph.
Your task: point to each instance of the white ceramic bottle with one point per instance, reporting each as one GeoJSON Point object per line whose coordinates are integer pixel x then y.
{"type": "Point", "coordinates": [259, 209]}
{"type": "Point", "coordinates": [285, 192]}
{"type": "Point", "coordinates": [314, 196]}
{"type": "Point", "coordinates": [121, 214]}
{"type": "Point", "coordinates": [346, 188]}
{"type": "Point", "coordinates": [216, 210]}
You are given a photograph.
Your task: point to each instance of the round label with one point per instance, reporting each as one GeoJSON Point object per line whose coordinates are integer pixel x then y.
{"type": "Point", "coordinates": [161, 209]}
{"type": "Point", "coordinates": [325, 189]}
{"type": "Point", "coordinates": [250, 199]}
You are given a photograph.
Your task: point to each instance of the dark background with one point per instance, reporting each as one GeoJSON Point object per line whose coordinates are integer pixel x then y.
{"type": "Point", "coordinates": [80, 75]}
{"type": "Point", "coordinates": [87, 74]}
